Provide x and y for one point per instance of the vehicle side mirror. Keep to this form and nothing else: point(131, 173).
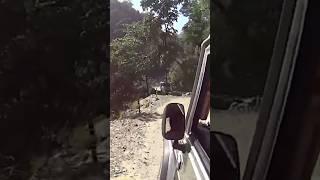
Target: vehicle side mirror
point(224, 151)
point(173, 122)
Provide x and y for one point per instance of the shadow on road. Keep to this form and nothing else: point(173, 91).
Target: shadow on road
point(143, 116)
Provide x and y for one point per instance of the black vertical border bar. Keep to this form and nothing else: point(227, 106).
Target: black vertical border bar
point(297, 147)
point(107, 166)
point(270, 88)
point(211, 86)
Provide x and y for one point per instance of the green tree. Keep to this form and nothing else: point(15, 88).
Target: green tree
point(165, 13)
point(122, 13)
point(133, 57)
point(182, 72)
point(197, 28)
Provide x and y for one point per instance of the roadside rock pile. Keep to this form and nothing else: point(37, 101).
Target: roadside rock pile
point(75, 162)
point(127, 139)
point(70, 165)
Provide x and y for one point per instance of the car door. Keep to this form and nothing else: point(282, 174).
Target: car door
point(195, 163)
point(266, 145)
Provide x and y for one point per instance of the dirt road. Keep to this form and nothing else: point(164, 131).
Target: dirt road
point(136, 140)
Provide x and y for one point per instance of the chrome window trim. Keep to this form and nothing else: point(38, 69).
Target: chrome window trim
point(204, 156)
point(193, 105)
point(204, 44)
point(258, 168)
point(197, 164)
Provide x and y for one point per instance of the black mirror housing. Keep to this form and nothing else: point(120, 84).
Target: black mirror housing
point(173, 122)
point(224, 150)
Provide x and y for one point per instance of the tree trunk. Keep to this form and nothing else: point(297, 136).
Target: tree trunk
point(89, 116)
point(139, 106)
point(166, 76)
point(147, 85)
point(93, 146)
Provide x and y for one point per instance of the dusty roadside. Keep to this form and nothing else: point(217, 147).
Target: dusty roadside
point(75, 162)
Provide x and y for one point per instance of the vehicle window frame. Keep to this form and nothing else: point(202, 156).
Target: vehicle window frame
point(196, 92)
point(276, 90)
point(196, 95)
point(205, 159)
point(205, 47)
point(302, 111)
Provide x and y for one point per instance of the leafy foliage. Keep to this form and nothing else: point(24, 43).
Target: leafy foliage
point(198, 27)
point(244, 36)
point(166, 12)
point(133, 57)
point(53, 69)
point(122, 13)
point(151, 49)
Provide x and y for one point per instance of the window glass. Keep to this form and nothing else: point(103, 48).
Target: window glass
point(201, 126)
point(244, 35)
point(316, 171)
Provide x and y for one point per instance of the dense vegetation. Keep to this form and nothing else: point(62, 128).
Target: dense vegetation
point(151, 49)
point(54, 65)
point(148, 49)
point(53, 72)
point(244, 33)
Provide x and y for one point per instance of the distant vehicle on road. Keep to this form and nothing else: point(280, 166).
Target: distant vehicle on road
point(165, 87)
